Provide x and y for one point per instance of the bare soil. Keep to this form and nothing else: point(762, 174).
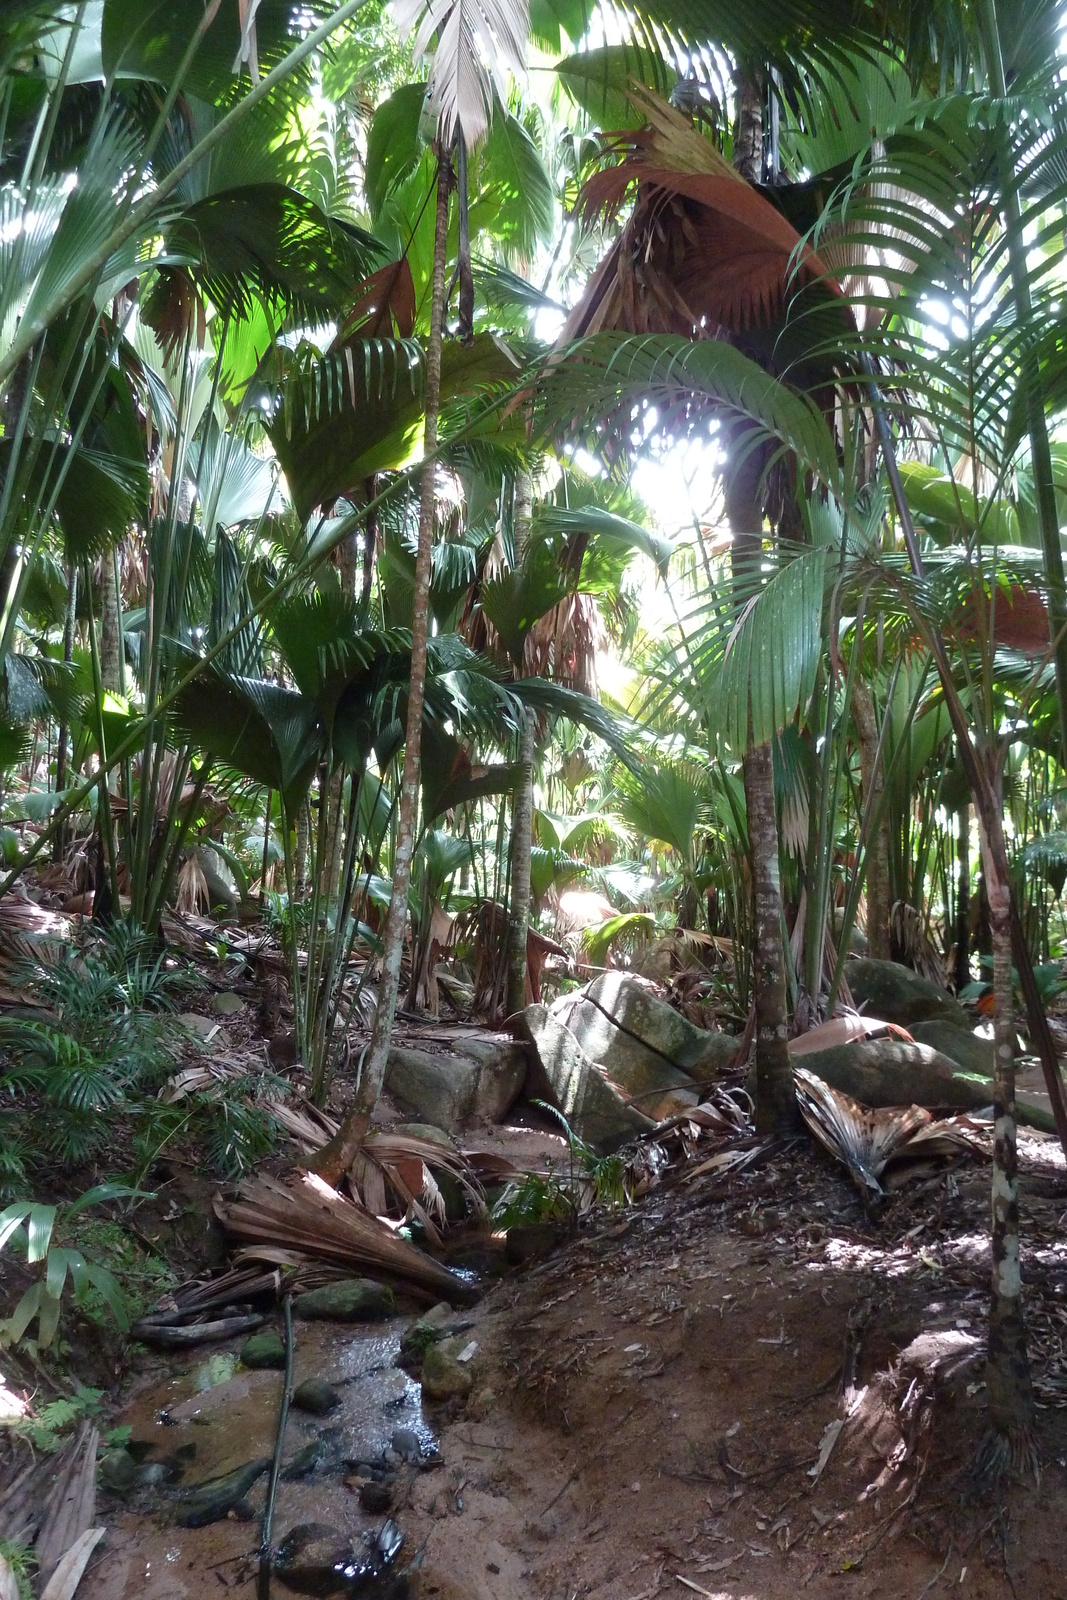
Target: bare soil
point(651, 1401)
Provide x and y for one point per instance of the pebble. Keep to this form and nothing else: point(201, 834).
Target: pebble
point(406, 1443)
point(265, 1349)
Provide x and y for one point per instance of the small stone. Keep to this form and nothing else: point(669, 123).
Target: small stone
point(227, 1004)
point(118, 1471)
point(406, 1443)
point(375, 1498)
point(442, 1376)
point(315, 1395)
point(348, 1300)
point(265, 1349)
point(206, 1029)
point(304, 1462)
point(153, 1474)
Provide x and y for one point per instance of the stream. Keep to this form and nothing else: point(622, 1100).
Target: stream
point(209, 1417)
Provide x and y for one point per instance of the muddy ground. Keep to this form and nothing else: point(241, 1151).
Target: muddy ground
point(650, 1403)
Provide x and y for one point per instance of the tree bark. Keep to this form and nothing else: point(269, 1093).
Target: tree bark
point(1008, 1388)
point(776, 1102)
point(963, 898)
point(110, 625)
point(59, 844)
point(748, 125)
point(872, 785)
point(522, 803)
point(335, 1159)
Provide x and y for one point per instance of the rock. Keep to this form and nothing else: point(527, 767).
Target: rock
point(315, 1395)
point(227, 1004)
point(967, 1049)
point(347, 1300)
point(265, 1349)
point(153, 1474)
point(221, 884)
point(443, 1377)
point(205, 1028)
point(642, 1043)
point(305, 1461)
point(117, 1471)
point(528, 1241)
point(563, 1074)
point(212, 1501)
point(431, 1328)
point(450, 1089)
point(427, 1131)
point(406, 1443)
point(894, 993)
point(891, 1072)
point(316, 1559)
point(376, 1498)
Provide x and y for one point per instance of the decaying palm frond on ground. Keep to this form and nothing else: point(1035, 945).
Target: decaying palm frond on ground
point(308, 1216)
point(866, 1141)
point(393, 1173)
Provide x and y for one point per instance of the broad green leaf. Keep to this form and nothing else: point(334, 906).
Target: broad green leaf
point(24, 1313)
point(394, 144)
point(597, 81)
point(39, 1226)
point(512, 178)
point(769, 667)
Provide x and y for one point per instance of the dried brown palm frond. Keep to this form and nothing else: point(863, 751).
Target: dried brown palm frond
point(912, 944)
point(864, 1140)
point(308, 1216)
point(845, 1029)
point(393, 1173)
point(702, 252)
point(192, 896)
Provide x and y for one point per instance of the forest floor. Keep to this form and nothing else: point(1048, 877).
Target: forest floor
point(651, 1402)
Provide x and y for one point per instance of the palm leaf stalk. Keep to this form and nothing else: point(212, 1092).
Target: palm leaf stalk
point(522, 806)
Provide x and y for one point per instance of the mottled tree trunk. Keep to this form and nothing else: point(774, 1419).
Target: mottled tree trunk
point(872, 785)
point(522, 804)
point(1008, 1388)
point(748, 125)
point(111, 664)
point(963, 898)
point(776, 1104)
point(337, 1156)
point(59, 844)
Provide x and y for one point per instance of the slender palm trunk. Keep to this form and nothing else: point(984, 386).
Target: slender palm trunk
point(776, 1104)
point(872, 785)
point(1008, 1388)
point(337, 1156)
point(522, 804)
point(963, 897)
point(110, 625)
point(59, 844)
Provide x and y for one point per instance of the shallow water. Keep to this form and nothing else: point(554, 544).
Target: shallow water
point(213, 1417)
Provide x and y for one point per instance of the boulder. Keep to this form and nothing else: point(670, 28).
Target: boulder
point(315, 1395)
point(227, 1004)
point(967, 1049)
point(443, 1377)
point(265, 1349)
point(221, 884)
point(347, 1300)
point(642, 1043)
point(204, 1503)
point(564, 1075)
point(117, 1471)
point(449, 1089)
point(897, 994)
point(891, 1072)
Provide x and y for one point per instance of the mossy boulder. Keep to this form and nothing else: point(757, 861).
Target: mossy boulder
point(347, 1300)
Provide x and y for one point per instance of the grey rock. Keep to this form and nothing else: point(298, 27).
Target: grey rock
point(305, 1461)
point(118, 1471)
point(153, 1474)
point(315, 1395)
point(316, 1559)
point(205, 1028)
point(972, 1053)
point(643, 1044)
point(265, 1349)
point(221, 884)
point(208, 1502)
point(227, 1004)
point(449, 1089)
point(894, 993)
point(347, 1300)
point(563, 1074)
point(406, 1443)
point(443, 1377)
point(890, 1072)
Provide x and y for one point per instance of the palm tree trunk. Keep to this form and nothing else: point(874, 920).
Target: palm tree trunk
point(963, 898)
point(59, 844)
point(872, 785)
point(110, 625)
point(332, 1161)
point(1008, 1388)
point(522, 804)
point(776, 1102)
